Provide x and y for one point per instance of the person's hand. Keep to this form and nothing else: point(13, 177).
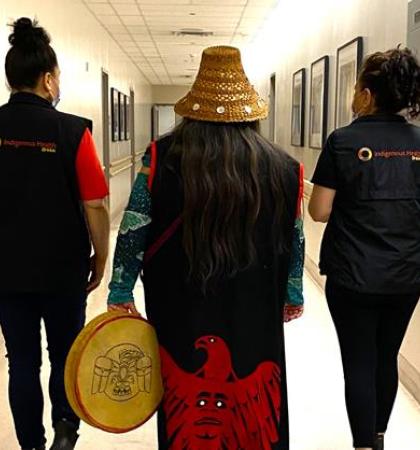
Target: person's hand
point(128, 307)
point(292, 312)
point(97, 270)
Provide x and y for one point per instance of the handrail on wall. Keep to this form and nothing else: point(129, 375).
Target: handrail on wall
point(118, 162)
point(114, 173)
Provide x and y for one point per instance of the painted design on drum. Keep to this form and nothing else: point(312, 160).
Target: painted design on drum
point(123, 373)
point(213, 409)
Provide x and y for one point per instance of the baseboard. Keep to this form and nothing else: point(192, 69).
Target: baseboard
point(312, 268)
point(410, 377)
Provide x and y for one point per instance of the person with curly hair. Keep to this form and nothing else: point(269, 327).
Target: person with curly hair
point(367, 187)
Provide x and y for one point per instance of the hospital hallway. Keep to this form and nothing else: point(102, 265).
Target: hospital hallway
point(317, 413)
point(308, 99)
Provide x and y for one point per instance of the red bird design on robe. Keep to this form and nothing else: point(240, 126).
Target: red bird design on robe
point(213, 409)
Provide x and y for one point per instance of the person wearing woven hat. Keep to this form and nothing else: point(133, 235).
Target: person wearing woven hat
point(214, 225)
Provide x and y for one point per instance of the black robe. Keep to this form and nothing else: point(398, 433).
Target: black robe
point(223, 356)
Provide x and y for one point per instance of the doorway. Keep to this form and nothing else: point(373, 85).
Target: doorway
point(272, 105)
point(105, 124)
point(164, 120)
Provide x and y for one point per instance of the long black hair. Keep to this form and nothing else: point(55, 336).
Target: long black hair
point(30, 55)
point(226, 171)
point(393, 77)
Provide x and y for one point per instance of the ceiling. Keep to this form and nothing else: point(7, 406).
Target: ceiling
point(145, 31)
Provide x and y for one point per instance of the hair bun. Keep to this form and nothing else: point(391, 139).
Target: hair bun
point(27, 34)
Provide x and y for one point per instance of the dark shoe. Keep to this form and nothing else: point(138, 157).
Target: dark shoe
point(65, 436)
point(379, 442)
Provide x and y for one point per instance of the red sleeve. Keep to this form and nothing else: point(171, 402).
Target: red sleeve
point(153, 150)
point(90, 176)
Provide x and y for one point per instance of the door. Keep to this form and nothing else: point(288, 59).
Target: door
point(106, 125)
point(164, 120)
point(132, 128)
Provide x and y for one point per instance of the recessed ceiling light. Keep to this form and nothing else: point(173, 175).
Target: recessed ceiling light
point(196, 32)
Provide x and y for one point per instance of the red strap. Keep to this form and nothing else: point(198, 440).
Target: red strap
point(174, 225)
point(168, 233)
point(153, 149)
point(300, 195)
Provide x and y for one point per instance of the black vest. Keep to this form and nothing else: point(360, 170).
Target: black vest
point(372, 241)
point(44, 241)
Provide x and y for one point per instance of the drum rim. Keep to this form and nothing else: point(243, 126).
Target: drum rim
point(95, 330)
point(73, 361)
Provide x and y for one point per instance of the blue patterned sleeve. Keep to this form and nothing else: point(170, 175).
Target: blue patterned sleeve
point(132, 241)
point(295, 280)
point(294, 304)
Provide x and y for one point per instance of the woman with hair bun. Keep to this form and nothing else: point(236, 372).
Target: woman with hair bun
point(52, 191)
point(367, 187)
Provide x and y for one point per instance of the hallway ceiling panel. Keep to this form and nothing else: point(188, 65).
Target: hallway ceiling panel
point(149, 32)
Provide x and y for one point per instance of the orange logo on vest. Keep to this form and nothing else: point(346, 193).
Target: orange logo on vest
point(365, 154)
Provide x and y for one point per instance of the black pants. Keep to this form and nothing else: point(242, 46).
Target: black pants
point(20, 320)
point(370, 330)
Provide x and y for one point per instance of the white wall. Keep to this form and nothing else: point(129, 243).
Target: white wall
point(301, 31)
point(168, 95)
point(298, 33)
point(410, 354)
point(79, 40)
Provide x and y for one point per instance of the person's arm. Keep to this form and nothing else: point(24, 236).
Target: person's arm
point(93, 189)
point(131, 244)
point(321, 203)
point(98, 222)
point(325, 181)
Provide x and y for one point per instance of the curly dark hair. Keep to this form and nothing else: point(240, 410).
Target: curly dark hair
point(30, 55)
point(393, 77)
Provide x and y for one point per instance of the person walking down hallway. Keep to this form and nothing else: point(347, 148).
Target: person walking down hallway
point(52, 191)
point(214, 223)
point(367, 187)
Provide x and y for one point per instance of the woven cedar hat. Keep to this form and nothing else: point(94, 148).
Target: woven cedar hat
point(222, 91)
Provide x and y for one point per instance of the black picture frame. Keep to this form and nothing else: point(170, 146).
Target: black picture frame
point(115, 124)
point(127, 134)
point(121, 116)
point(349, 61)
point(298, 108)
point(318, 111)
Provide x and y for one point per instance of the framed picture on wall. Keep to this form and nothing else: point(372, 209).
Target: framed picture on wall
point(298, 108)
point(121, 109)
point(115, 130)
point(127, 117)
point(349, 60)
point(318, 119)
